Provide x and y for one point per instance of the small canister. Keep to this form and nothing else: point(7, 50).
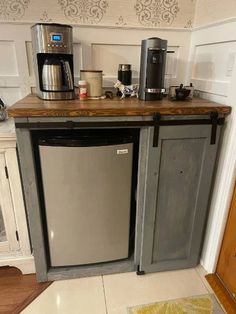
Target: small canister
point(125, 74)
point(94, 82)
point(82, 89)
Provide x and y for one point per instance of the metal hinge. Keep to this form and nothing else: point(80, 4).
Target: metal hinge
point(17, 236)
point(6, 172)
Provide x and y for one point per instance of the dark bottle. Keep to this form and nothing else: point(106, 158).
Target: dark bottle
point(125, 74)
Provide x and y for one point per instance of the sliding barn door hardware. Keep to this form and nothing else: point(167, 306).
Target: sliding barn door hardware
point(156, 122)
point(156, 119)
point(214, 120)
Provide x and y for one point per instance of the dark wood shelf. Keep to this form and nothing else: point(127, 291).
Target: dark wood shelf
point(32, 106)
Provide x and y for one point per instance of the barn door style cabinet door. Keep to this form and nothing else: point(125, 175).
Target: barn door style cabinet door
point(177, 190)
point(14, 239)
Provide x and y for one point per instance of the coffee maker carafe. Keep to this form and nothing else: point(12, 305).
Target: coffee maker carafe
point(53, 60)
point(152, 69)
point(56, 75)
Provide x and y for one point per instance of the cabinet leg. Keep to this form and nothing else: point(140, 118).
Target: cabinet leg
point(139, 272)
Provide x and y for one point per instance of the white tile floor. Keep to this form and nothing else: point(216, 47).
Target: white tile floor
point(112, 294)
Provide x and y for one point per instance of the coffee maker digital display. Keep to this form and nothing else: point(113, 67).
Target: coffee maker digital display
point(56, 37)
point(53, 60)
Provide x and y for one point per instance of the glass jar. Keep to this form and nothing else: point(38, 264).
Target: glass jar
point(94, 82)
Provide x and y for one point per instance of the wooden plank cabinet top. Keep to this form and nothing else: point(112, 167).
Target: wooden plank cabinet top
point(32, 106)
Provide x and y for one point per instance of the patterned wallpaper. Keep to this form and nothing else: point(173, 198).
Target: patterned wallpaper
point(13, 10)
point(122, 13)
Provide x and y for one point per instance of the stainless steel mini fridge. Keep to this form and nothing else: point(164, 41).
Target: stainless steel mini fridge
point(87, 197)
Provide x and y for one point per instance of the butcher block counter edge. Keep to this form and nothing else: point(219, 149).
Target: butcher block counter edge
point(32, 106)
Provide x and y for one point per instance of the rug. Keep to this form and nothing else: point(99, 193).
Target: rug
point(204, 304)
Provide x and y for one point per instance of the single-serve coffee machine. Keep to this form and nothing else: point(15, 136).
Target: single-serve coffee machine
point(53, 60)
point(152, 69)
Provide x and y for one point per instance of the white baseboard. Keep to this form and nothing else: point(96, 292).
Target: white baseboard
point(24, 263)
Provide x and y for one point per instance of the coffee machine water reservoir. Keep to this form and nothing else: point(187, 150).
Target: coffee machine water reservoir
point(53, 60)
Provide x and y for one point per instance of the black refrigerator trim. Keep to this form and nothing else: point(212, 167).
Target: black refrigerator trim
point(39, 184)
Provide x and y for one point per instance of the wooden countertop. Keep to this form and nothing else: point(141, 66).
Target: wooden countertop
point(32, 106)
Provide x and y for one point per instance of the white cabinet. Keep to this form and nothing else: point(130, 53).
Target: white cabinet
point(14, 238)
point(8, 230)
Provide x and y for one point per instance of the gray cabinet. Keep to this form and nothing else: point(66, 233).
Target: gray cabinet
point(177, 190)
point(173, 193)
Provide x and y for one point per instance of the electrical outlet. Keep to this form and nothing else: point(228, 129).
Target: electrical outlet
point(230, 64)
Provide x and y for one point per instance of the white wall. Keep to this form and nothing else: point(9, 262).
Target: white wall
point(212, 68)
point(212, 56)
point(94, 48)
point(213, 11)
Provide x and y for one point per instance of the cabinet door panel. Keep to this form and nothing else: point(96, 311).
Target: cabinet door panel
point(177, 191)
point(179, 174)
point(7, 219)
point(4, 245)
point(3, 237)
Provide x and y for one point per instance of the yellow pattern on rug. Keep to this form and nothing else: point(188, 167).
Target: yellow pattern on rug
point(192, 305)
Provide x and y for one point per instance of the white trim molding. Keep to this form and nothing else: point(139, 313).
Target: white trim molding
point(24, 264)
point(213, 24)
point(123, 27)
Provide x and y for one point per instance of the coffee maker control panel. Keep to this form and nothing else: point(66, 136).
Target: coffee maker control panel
point(56, 41)
point(52, 38)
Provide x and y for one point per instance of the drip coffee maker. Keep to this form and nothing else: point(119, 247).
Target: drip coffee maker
point(53, 60)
